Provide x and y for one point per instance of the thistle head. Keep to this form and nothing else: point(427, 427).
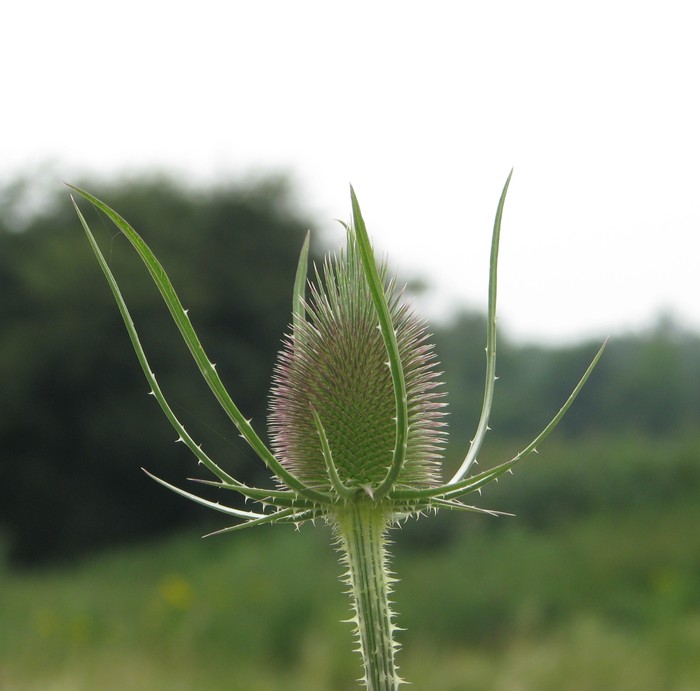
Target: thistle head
point(334, 369)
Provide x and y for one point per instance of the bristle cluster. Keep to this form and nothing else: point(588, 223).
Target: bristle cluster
point(335, 363)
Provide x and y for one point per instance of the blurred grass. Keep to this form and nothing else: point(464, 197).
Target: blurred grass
point(602, 595)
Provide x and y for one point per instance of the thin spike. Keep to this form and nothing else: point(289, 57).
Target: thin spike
point(205, 502)
point(389, 335)
point(298, 299)
point(482, 427)
point(336, 482)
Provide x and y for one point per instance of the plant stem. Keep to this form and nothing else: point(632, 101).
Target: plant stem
point(361, 526)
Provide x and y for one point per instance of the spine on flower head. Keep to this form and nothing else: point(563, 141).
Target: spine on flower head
point(333, 367)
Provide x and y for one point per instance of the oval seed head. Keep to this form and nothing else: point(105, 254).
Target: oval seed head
point(335, 362)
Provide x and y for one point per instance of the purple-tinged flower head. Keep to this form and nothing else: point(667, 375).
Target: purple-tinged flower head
point(334, 362)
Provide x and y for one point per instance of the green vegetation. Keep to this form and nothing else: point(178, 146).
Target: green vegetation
point(595, 585)
point(602, 599)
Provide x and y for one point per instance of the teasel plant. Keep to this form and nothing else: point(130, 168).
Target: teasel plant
point(356, 419)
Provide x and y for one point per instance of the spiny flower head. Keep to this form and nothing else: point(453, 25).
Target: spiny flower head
point(334, 363)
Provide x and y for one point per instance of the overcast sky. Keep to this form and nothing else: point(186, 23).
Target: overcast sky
point(424, 107)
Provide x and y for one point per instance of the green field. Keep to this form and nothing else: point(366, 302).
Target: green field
point(603, 596)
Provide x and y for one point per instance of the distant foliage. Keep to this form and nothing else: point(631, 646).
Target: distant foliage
point(646, 383)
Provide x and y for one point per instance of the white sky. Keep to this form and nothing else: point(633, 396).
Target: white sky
point(424, 107)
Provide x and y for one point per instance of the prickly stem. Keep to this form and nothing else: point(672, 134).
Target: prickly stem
point(362, 539)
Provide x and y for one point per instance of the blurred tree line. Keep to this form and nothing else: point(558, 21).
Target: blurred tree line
point(646, 383)
point(76, 423)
